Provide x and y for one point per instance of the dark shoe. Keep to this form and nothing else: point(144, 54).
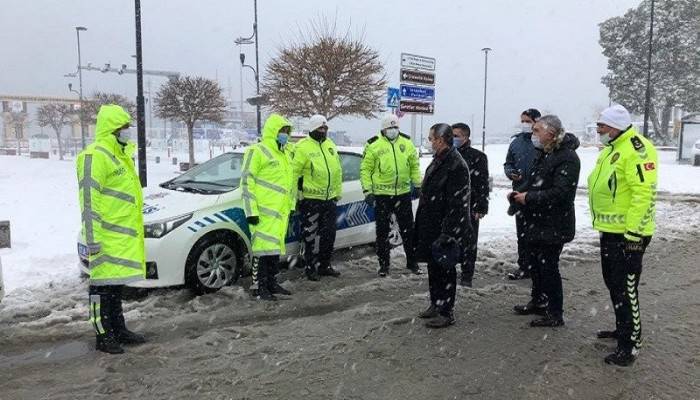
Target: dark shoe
point(263, 293)
point(415, 270)
point(441, 321)
point(531, 308)
point(108, 344)
point(518, 275)
point(621, 357)
point(607, 335)
point(312, 275)
point(430, 312)
point(328, 271)
point(275, 288)
point(128, 337)
point(547, 322)
point(383, 272)
point(464, 281)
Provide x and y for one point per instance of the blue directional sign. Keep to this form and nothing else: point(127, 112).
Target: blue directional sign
point(393, 96)
point(417, 93)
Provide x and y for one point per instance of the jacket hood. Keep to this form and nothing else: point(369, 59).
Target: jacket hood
point(570, 142)
point(110, 118)
point(273, 124)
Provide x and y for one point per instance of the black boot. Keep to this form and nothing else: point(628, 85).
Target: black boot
point(383, 271)
point(262, 290)
point(441, 321)
point(607, 335)
point(549, 321)
point(312, 274)
point(263, 293)
point(328, 271)
point(430, 312)
point(415, 269)
point(623, 356)
point(108, 344)
point(276, 288)
point(531, 307)
point(466, 281)
point(121, 333)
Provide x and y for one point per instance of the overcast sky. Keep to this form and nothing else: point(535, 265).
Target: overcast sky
point(545, 52)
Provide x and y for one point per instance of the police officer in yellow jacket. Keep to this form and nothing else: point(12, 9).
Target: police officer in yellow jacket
point(112, 225)
point(622, 192)
point(316, 162)
point(269, 191)
point(389, 173)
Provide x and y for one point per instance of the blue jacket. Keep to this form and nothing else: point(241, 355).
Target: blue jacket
point(521, 154)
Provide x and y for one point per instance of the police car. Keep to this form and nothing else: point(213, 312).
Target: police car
point(196, 230)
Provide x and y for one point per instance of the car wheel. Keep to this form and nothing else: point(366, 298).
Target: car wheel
point(394, 233)
point(212, 263)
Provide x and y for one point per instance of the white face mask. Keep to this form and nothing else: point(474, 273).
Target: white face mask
point(537, 143)
point(604, 138)
point(525, 127)
point(124, 136)
point(391, 133)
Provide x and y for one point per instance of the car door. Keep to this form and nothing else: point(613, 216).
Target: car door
point(355, 218)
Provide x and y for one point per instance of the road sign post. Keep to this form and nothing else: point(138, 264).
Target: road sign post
point(417, 89)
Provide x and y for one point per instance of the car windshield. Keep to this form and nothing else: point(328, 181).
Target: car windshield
point(220, 174)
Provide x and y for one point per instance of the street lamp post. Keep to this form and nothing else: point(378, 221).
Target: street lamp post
point(256, 70)
point(240, 42)
point(78, 29)
point(140, 106)
point(647, 100)
point(486, 68)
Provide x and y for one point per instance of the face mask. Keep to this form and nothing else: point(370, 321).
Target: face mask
point(123, 136)
point(318, 135)
point(458, 142)
point(604, 138)
point(537, 143)
point(525, 127)
point(391, 133)
point(282, 138)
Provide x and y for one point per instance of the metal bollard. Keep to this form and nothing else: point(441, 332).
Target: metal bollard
point(174, 160)
point(157, 159)
point(5, 239)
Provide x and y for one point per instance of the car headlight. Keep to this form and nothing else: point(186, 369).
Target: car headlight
point(158, 229)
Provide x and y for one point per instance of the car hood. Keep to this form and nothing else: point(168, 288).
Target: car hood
point(159, 203)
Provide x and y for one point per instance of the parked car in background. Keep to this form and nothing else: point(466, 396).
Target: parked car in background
point(196, 230)
point(696, 153)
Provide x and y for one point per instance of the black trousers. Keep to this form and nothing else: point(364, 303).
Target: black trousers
point(106, 313)
point(402, 207)
point(523, 253)
point(318, 224)
point(621, 273)
point(469, 254)
point(546, 279)
point(265, 269)
point(443, 287)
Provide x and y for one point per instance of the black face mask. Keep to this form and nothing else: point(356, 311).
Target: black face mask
point(319, 136)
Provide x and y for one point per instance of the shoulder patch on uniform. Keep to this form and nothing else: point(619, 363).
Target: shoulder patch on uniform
point(637, 143)
point(372, 139)
point(614, 158)
point(402, 147)
point(405, 135)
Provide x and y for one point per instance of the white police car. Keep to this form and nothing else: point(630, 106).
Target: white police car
point(196, 231)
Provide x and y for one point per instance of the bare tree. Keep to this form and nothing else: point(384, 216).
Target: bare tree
point(98, 99)
point(191, 99)
point(56, 116)
point(326, 73)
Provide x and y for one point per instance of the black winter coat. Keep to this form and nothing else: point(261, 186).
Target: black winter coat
point(444, 204)
point(521, 154)
point(549, 213)
point(478, 165)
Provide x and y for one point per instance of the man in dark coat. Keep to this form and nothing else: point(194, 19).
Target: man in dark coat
point(547, 206)
point(521, 154)
point(442, 224)
point(479, 176)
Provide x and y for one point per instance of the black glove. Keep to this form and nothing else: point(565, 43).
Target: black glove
point(253, 220)
point(417, 193)
point(369, 199)
point(445, 240)
point(632, 247)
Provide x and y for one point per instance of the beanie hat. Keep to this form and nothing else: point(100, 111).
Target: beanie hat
point(316, 122)
point(616, 117)
point(390, 121)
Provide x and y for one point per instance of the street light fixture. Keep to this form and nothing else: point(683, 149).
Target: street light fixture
point(249, 40)
point(79, 29)
point(240, 42)
point(486, 67)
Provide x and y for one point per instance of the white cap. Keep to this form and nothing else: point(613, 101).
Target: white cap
point(316, 122)
point(616, 117)
point(390, 121)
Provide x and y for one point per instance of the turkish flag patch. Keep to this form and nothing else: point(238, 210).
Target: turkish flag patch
point(650, 166)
